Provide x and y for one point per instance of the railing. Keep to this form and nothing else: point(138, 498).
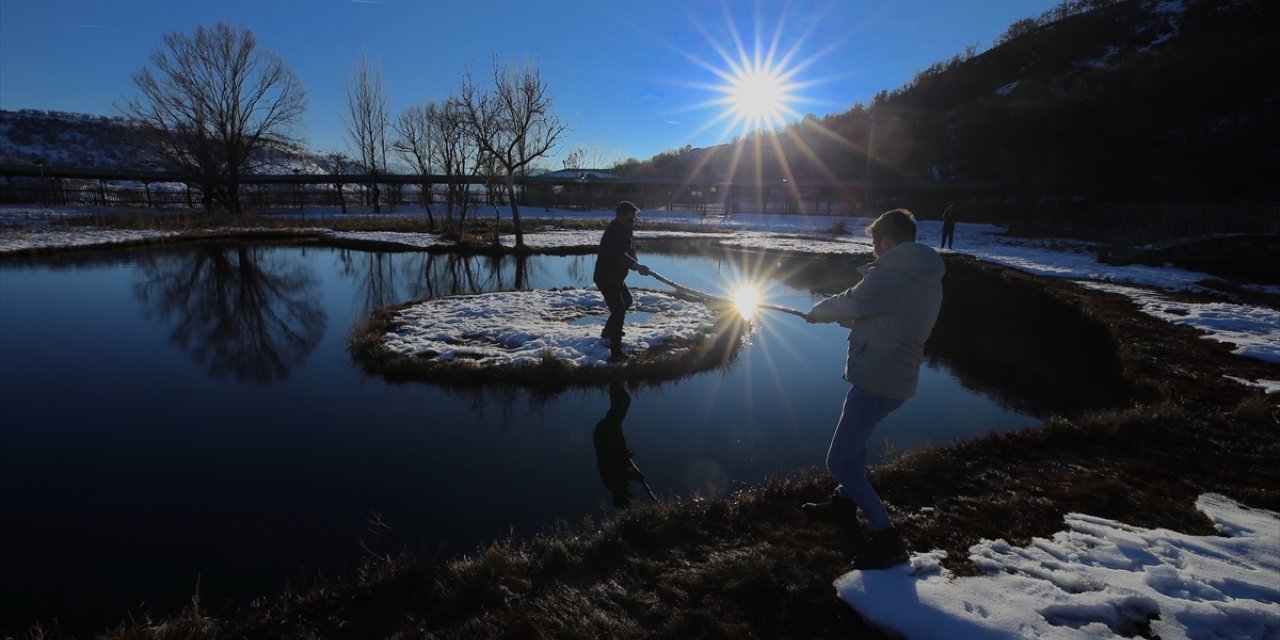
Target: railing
point(1145, 232)
point(62, 186)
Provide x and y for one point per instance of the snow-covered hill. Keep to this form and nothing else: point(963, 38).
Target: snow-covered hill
point(82, 141)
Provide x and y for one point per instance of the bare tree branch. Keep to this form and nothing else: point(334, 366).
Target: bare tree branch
point(513, 123)
point(209, 102)
point(367, 119)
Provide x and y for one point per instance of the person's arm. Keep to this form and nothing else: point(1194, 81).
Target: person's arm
point(634, 261)
point(872, 296)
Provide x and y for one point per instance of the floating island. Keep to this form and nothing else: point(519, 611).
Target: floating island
point(547, 338)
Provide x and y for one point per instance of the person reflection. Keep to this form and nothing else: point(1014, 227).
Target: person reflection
point(613, 458)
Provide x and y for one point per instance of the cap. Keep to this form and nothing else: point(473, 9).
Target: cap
point(626, 206)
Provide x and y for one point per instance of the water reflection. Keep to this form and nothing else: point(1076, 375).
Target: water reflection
point(1023, 347)
point(385, 279)
point(452, 274)
point(1003, 337)
point(615, 461)
point(240, 311)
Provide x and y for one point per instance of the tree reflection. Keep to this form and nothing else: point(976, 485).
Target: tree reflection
point(383, 279)
point(387, 279)
point(241, 311)
point(455, 274)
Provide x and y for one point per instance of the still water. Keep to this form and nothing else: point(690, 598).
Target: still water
point(189, 418)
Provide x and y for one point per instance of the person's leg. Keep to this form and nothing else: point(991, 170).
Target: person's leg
point(847, 457)
point(617, 299)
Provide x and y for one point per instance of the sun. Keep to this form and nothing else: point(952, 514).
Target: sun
point(746, 299)
point(757, 82)
point(759, 97)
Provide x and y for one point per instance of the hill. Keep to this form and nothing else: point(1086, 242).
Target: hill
point(83, 141)
point(1096, 99)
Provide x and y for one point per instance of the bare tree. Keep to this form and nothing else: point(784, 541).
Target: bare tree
point(367, 119)
point(513, 122)
point(210, 102)
point(414, 143)
point(593, 157)
point(455, 153)
point(339, 166)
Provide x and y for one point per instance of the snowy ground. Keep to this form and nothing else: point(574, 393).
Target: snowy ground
point(563, 323)
point(1098, 578)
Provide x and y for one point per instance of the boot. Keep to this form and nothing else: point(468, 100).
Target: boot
point(616, 354)
point(836, 506)
point(884, 549)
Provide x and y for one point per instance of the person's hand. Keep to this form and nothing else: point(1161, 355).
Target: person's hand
point(644, 271)
point(808, 317)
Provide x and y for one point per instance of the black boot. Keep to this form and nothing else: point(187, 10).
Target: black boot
point(884, 549)
point(616, 354)
point(835, 507)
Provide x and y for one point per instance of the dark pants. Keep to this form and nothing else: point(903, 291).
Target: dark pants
point(618, 298)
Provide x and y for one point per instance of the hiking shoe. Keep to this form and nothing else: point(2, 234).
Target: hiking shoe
point(884, 549)
point(835, 507)
point(619, 356)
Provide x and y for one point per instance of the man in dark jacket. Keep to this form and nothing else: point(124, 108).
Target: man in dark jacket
point(615, 258)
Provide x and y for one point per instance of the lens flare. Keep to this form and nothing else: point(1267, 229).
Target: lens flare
point(758, 97)
point(746, 299)
point(759, 76)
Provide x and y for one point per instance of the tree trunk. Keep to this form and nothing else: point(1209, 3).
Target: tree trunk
point(515, 210)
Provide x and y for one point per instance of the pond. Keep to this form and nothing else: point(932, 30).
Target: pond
point(188, 417)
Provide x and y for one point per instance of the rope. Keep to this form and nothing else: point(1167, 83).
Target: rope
point(696, 293)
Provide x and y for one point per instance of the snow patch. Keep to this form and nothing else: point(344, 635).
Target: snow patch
point(523, 327)
point(1254, 330)
point(1099, 578)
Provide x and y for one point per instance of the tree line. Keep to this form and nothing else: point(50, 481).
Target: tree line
point(212, 101)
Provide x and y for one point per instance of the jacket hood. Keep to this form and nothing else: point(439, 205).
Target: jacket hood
point(915, 260)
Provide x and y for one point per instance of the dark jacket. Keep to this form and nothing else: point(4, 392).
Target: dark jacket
point(616, 255)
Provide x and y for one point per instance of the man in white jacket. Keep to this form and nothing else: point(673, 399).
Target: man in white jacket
point(890, 315)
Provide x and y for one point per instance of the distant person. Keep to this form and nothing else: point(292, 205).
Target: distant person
point(949, 227)
point(891, 313)
point(613, 458)
point(615, 258)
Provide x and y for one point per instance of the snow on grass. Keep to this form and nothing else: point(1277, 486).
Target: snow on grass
point(398, 238)
point(590, 238)
point(1099, 578)
point(20, 241)
point(521, 327)
point(1268, 386)
point(1255, 331)
point(811, 245)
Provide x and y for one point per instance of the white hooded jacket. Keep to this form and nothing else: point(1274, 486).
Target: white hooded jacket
point(892, 310)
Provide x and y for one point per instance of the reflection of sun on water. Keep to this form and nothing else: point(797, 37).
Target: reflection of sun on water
point(746, 299)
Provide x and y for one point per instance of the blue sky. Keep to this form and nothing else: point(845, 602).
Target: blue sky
point(631, 78)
